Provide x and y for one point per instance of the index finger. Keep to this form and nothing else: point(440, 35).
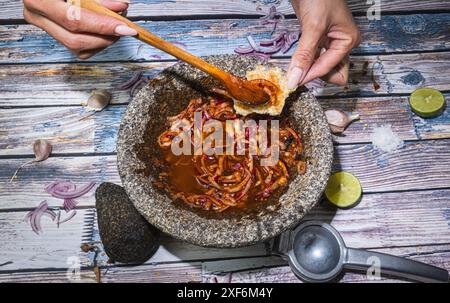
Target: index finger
point(83, 20)
point(326, 62)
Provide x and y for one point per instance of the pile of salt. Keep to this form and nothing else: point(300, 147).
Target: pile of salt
point(384, 139)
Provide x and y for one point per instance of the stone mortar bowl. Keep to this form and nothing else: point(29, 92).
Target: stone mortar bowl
point(167, 95)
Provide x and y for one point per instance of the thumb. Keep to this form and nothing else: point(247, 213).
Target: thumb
point(303, 57)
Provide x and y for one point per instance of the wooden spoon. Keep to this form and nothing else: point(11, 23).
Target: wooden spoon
point(250, 92)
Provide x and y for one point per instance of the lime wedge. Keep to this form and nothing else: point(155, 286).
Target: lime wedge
point(427, 102)
point(343, 189)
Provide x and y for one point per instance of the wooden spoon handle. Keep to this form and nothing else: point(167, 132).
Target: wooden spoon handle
point(155, 41)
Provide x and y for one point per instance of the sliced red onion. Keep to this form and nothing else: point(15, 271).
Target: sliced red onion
point(314, 84)
point(273, 17)
point(50, 213)
point(69, 204)
point(242, 50)
point(35, 216)
point(129, 83)
point(156, 56)
point(58, 218)
point(63, 186)
point(69, 216)
point(252, 43)
point(68, 190)
point(237, 166)
point(179, 43)
point(219, 101)
point(137, 85)
point(207, 115)
point(282, 42)
point(291, 39)
point(272, 50)
point(272, 41)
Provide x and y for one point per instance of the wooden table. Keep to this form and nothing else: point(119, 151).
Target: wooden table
point(406, 205)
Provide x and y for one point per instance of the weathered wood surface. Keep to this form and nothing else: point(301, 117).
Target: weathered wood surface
point(69, 132)
point(253, 270)
point(405, 209)
point(264, 272)
point(418, 165)
point(197, 8)
point(28, 44)
point(23, 249)
point(70, 84)
point(380, 220)
point(159, 273)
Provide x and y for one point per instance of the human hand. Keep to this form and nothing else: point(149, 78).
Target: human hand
point(328, 36)
point(84, 36)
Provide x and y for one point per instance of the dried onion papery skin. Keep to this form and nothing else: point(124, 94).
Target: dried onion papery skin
point(228, 181)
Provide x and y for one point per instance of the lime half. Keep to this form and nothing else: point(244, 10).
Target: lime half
point(427, 102)
point(343, 189)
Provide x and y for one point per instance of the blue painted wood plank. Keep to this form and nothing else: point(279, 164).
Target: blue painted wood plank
point(404, 33)
point(23, 85)
point(434, 128)
point(69, 133)
point(12, 9)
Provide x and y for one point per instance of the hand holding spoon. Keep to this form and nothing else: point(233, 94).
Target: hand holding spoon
point(249, 92)
point(317, 253)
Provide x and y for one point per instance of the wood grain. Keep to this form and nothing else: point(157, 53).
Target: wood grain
point(71, 132)
point(155, 273)
point(183, 8)
point(418, 165)
point(29, 44)
point(253, 270)
point(437, 255)
point(71, 84)
point(405, 209)
point(23, 249)
point(70, 129)
point(379, 220)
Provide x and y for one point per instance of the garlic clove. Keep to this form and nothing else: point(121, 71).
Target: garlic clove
point(42, 150)
point(338, 120)
point(98, 100)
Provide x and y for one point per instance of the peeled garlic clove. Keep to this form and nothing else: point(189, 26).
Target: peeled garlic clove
point(42, 150)
point(99, 100)
point(339, 120)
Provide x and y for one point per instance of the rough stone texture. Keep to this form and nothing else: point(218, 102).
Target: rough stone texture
point(168, 94)
point(126, 236)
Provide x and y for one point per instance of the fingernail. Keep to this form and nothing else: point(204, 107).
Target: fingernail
point(124, 1)
point(294, 76)
point(123, 30)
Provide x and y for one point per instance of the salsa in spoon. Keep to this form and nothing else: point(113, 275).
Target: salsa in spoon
point(249, 92)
